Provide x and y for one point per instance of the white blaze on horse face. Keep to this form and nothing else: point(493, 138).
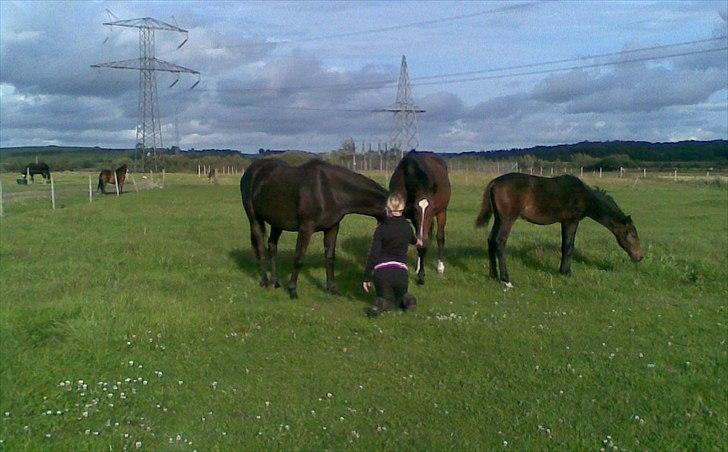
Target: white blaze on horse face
point(440, 267)
point(423, 204)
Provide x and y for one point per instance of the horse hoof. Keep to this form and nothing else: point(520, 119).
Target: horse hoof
point(507, 285)
point(420, 281)
point(276, 284)
point(332, 289)
point(292, 293)
point(440, 267)
point(264, 283)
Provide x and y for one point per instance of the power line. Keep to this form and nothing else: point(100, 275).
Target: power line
point(384, 29)
point(583, 66)
point(384, 83)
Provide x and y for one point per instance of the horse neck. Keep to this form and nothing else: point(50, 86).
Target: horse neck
point(603, 213)
point(366, 198)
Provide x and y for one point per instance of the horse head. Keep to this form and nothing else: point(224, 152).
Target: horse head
point(626, 234)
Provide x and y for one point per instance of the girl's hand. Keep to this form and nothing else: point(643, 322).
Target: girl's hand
point(366, 285)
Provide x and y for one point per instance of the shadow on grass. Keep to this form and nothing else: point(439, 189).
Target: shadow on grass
point(345, 272)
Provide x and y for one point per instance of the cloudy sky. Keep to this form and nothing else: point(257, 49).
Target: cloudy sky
point(306, 75)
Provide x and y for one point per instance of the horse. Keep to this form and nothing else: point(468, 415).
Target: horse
point(106, 176)
point(542, 200)
point(32, 169)
point(422, 180)
point(212, 175)
point(309, 198)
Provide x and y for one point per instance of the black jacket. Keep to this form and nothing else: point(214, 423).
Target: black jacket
point(389, 243)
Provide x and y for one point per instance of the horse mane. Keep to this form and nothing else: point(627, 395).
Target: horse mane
point(410, 165)
point(606, 201)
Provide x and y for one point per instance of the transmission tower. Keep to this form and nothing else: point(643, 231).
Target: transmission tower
point(405, 134)
point(149, 128)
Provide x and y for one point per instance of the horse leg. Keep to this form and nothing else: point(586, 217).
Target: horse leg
point(330, 254)
point(275, 234)
point(257, 237)
point(304, 236)
point(568, 233)
point(501, 239)
point(441, 220)
point(421, 253)
point(493, 247)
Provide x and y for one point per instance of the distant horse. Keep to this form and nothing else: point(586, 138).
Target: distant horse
point(422, 180)
point(32, 169)
point(212, 175)
point(107, 177)
point(308, 198)
point(542, 200)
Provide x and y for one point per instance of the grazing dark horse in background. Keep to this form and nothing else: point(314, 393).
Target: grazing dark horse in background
point(212, 175)
point(421, 178)
point(32, 169)
point(107, 177)
point(542, 200)
point(308, 198)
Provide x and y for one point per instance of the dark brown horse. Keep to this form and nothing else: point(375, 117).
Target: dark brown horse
point(212, 175)
point(422, 180)
point(107, 177)
point(308, 198)
point(542, 200)
point(32, 169)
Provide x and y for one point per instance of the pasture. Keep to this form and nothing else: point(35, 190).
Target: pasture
point(137, 323)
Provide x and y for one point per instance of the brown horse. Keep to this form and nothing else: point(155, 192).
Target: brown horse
point(422, 180)
point(212, 175)
point(542, 200)
point(107, 177)
point(308, 198)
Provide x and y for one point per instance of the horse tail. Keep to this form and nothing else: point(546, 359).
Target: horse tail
point(101, 184)
point(486, 208)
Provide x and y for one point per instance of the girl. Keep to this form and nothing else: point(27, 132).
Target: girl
point(386, 262)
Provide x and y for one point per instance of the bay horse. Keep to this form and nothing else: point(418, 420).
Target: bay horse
point(32, 169)
point(543, 200)
point(309, 198)
point(421, 178)
point(106, 176)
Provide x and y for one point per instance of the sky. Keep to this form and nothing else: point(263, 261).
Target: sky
point(308, 75)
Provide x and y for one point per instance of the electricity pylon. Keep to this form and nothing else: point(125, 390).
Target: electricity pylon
point(149, 128)
point(405, 134)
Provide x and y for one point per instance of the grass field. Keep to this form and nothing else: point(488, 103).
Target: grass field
point(138, 322)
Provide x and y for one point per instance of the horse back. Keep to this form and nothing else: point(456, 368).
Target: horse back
point(540, 200)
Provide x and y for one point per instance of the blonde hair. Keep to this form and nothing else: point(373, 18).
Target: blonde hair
point(395, 203)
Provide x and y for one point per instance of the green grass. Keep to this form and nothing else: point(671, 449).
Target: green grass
point(155, 295)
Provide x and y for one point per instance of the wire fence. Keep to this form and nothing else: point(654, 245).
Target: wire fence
point(67, 188)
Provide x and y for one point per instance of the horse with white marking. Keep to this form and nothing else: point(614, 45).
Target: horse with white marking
point(422, 180)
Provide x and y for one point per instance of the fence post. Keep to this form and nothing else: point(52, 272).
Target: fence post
point(53, 194)
point(1, 198)
point(600, 172)
point(163, 174)
point(675, 177)
point(90, 193)
point(116, 183)
point(581, 171)
point(621, 171)
point(27, 175)
point(198, 170)
point(133, 181)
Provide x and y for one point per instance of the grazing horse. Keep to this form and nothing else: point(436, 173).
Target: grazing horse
point(308, 198)
point(107, 177)
point(32, 169)
point(421, 178)
point(542, 200)
point(212, 175)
